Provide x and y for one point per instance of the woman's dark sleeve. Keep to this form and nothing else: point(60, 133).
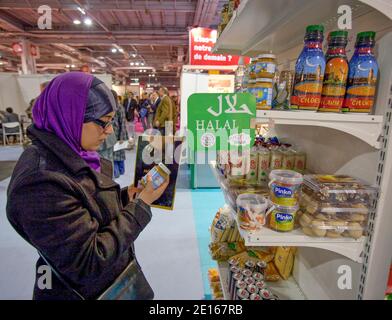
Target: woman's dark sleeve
point(68, 235)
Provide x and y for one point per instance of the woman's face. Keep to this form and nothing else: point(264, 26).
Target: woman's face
point(93, 134)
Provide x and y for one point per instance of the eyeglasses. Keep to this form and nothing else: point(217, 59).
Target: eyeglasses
point(103, 124)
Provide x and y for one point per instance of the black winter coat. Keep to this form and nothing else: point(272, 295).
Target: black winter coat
point(78, 218)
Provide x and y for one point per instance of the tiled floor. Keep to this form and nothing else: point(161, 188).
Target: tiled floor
point(172, 250)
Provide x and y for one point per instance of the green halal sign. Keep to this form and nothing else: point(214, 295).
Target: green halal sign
point(220, 121)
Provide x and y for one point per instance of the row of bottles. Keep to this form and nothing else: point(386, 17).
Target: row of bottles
point(328, 83)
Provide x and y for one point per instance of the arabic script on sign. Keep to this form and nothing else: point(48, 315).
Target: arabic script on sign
point(244, 109)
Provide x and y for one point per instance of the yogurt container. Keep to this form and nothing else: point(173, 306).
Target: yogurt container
point(282, 219)
point(251, 210)
point(285, 187)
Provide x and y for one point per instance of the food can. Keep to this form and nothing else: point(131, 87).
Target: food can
point(242, 294)
point(265, 293)
point(260, 285)
point(258, 276)
point(276, 160)
point(234, 262)
point(240, 285)
point(261, 266)
point(232, 271)
point(263, 166)
point(251, 175)
point(300, 162)
point(250, 265)
point(232, 288)
point(246, 273)
point(249, 280)
point(252, 288)
point(255, 296)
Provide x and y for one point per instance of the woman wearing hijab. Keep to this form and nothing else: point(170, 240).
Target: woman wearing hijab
point(62, 199)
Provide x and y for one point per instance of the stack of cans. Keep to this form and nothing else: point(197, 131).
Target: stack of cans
point(248, 283)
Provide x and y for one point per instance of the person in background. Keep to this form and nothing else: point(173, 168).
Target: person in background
point(29, 110)
point(155, 100)
point(143, 111)
point(166, 112)
point(61, 198)
point(120, 131)
point(11, 116)
point(130, 107)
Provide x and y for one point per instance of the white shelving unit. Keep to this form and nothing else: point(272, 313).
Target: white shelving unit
point(347, 247)
point(279, 25)
point(284, 289)
point(368, 128)
point(358, 145)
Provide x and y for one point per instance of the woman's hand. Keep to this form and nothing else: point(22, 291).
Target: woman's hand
point(132, 192)
point(149, 195)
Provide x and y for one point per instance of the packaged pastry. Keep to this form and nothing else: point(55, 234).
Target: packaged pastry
point(338, 189)
point(284, 261)
point(285, 187)
point(271, 273)
point(331, 227)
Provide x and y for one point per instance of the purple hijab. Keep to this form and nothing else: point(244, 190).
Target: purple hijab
point(60, 110)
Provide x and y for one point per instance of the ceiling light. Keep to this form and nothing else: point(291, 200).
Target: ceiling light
point(137, 63)
point(121, 50)
point(88, 22)
point(132, 63)
point(101, 57)
point(144, 70)
point(142, 64)
point(114, 50)
point(67, 66)
point(77, 21)
point(153, 75)
point(140, 70)
point(81, 10)
point(73, 66)
point(1, 63)
point(134, 55)
point(92, 70)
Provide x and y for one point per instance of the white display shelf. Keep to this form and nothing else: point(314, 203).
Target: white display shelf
point(284, 289)
point(368, 128)
point(347, 247)
point(279, 25)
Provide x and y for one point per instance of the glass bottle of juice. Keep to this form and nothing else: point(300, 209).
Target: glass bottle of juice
point(362, 78)
point(309, 71)
point(336, 73)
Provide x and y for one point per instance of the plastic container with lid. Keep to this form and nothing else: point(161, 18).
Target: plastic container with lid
point(338, 189)
point(266, 66)
point(252, 69)
point(331, 227)
point(251, 209)
point(282, 219)
point(263, 93)
point(285, 187)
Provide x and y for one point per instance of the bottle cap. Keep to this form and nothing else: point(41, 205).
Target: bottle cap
point(315, 28)
point(339, 34)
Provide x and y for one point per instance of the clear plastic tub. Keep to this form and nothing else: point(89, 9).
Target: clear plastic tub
point(338, 189)
point(330, 227)
point(251, 209)
point(285, 187)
